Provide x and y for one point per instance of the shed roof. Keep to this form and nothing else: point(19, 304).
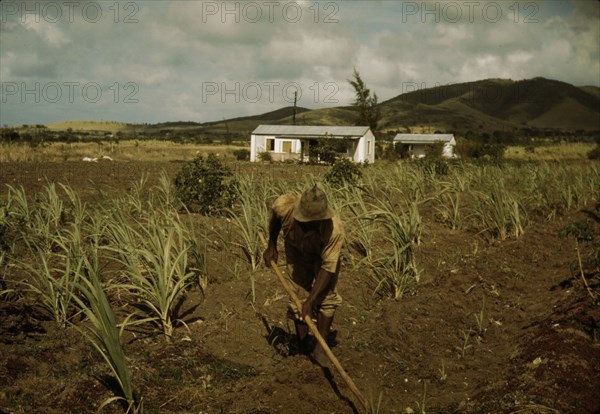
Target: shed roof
point(424, 138)
point(311, 131)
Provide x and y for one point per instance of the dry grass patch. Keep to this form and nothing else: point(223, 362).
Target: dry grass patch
point(151, 150)
point(563, 151)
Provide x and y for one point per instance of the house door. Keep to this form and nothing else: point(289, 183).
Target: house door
point(286, 146)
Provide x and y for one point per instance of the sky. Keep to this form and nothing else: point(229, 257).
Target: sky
point(202, 61)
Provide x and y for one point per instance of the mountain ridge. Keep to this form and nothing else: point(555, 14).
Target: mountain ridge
point(470, 107)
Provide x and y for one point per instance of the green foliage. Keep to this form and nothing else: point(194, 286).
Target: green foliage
point(103, 333)
point(500, 211)
point(436, 167)
point(154, 253)
point(391, 152)
point(52, 278)
point(395, 273)
point(250, 217)
point(205, 185)
point(328, 150)
point(581, 230)
point(343, 172)
point(265, 156)
point(589, 264)
point(242, 154)
point(10, 227)
point(594, 154)
point(9, 135)
point(434, 151)
point(478, 150)
point(366, 103)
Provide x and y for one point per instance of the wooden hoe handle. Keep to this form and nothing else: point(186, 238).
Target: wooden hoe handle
point(320, 339)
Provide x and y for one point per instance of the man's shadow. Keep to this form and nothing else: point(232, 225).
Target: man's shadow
point(286, 344)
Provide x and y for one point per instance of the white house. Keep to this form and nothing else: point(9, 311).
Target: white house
point(417, 143)
point(293, 142)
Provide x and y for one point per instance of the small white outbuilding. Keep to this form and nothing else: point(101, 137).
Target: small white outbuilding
point(294, 142)
point(417, 143)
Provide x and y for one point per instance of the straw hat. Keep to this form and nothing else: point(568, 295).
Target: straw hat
point(312, 206)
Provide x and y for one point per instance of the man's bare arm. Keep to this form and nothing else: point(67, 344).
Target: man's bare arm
point(271, 250)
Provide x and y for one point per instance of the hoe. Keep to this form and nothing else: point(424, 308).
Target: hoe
point(320, 339)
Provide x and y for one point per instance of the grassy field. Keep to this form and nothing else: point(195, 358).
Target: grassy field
point(564, 151)
point(151, 150)
point(154, 150)
point(98, 126)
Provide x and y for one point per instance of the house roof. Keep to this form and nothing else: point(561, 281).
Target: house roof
point(424, 138)
point(311, 131)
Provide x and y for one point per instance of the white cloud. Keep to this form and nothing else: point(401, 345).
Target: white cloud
point(452, 35)
point(519, 57)
point(47, 31)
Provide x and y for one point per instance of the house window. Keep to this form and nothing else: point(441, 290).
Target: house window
point(286, 146)
point(270, 144)
point(368, 147)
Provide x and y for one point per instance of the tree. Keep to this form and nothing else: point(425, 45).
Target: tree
point(366, 103)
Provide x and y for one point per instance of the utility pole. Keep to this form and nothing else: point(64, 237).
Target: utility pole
point(294, 113)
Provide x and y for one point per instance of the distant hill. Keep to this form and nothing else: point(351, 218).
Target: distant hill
point(485, 105)
point(592, 90)
point(481, 106)
point(496, 104)
point(247, 124)
point(281, 113)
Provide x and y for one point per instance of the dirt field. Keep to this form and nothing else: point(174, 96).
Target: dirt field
point(502, 327)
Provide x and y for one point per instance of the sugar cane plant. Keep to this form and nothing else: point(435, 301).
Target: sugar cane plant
point(362, 226)
point(51, 207)
point(103, 332)
point(17, 206)
point(19, 212)
point(450, 198)
point(396, 273)
point(500, 212)
point(249, 216)
point(53, 275)
point(154, 254)
point(449, 208)
point(76, 210)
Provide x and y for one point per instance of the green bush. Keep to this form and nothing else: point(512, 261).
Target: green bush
point(326, 151)
point(205, 185)
point(265, 156)
point(594, 154)
point(434, 151)
point(343, 172)
point(477, 150)
point(391, 152)
point(242, 154)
